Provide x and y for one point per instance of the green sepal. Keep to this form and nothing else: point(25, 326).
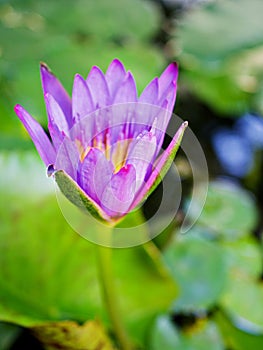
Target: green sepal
point(78, 197)
point(167, 158)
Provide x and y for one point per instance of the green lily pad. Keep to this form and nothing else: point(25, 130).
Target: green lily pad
point(194, 262)
point(242, 298)
point(165, 335)
point(219, 89)
point(229, 211)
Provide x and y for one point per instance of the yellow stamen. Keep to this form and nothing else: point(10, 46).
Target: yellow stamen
point(82, 151)
point(116, 153)
point(119, 154)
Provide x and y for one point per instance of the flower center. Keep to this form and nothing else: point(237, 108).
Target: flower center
point(116, 153)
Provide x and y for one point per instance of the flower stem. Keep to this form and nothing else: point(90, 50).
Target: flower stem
point(110, 296)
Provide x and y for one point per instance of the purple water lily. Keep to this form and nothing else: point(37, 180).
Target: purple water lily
point(106, 140)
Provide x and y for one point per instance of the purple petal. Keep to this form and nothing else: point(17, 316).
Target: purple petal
point(115, 76)
point(94, 173)
point(161, 122)
point(168, 76)
point(141, 155)
point(98, 87)
point(82, 103)
point(55, 114)
point(56, 135)
point(149, 116)
point(57, 124)
point(142, 116)
point(119, 194)
point(68, 157)
point(127, 90)
point(150, 93)
point(161, 167)
point(169, 95)
point(83, 132)
point(38, 135)
point(52, 86)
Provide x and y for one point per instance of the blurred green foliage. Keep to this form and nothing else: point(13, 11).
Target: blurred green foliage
point(70, 37)
point(48, 273)
point(220, 47)
point(211, 296)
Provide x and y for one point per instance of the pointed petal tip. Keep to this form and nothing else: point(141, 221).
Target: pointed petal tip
point(117, 61)
point(173, 69)
point(43, 65)
point(177, 139)
point(169, 75)
point(17, 108)
point(78, 76)
point(174, 66)
point(180, 133)
point(183, 127)
point(128, 75)
point(79, 81)
point(37, 134)
point(127, 90)
point(130, 78)
point(44, 68)
point(20, 112)
point(150, 92)
point(95, 70)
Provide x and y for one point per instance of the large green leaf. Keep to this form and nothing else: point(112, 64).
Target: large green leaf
point(104, 20)
point(48, 272)
point(236, 25)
